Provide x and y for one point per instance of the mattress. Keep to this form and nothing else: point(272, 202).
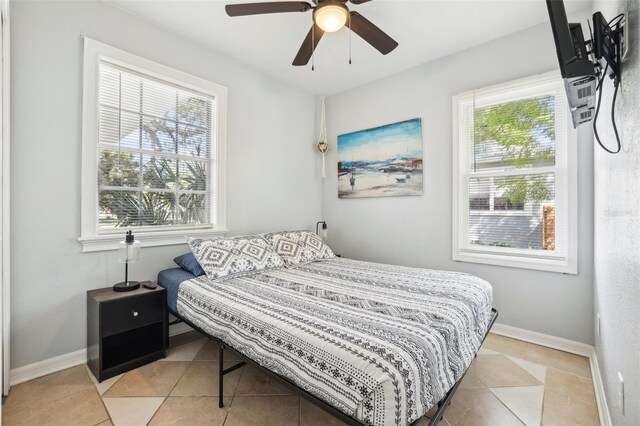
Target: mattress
point(171, 280)
point(381, 343)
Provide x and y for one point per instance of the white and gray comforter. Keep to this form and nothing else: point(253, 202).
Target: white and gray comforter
point(381, 343)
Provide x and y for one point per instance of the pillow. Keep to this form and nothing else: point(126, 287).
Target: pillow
point(299, 247)
point(230, 257)
point(189, 263)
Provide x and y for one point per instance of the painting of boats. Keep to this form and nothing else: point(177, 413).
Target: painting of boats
point(384, 161)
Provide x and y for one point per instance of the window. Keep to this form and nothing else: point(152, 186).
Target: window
point(153, 151)
point(514, 173)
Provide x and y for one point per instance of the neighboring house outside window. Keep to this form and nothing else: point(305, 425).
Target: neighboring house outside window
point(153, 151)
point(515, 176)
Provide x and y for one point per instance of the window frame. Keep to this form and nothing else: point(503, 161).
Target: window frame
point(93, 239)
point(565, 170)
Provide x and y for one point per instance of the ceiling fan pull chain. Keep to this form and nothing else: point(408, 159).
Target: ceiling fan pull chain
point(313, 46)
point(350, 39)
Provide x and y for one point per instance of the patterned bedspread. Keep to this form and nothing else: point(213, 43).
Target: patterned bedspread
point(381, 343)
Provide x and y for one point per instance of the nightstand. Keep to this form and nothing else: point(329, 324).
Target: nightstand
point(125, 330)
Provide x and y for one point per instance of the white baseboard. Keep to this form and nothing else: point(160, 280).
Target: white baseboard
point(564, 345)
point(598, 386)
point(62, 362)
point(541, 339)
point(48, 366)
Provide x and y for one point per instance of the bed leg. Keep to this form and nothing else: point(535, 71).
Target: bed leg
point(220, 375)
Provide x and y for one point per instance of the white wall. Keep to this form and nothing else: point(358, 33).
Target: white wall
point(617, 230)
point(272, 173)
point(416, 231)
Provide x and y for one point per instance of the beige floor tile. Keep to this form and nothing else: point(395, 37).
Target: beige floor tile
point(471, 381)
point(564, 361)
point(210, 352)
point(195, 334)
point(548, 357)
point(479, 407)
point(200, 411)
point(516, 380)
point(263, 411)
point(536, 370)
point(254, 382)
point(525, 402)
point(132, 411)
point(498, 370)
point(45, 389)
point(155, 379)
point(185, 352)
point(505, 345)
point(81, 408)
point(182, 338)
point(424, 421)
point(105, 423)
point(561, 410)
point(103, 386)
point(312, 415)
point(571, 385)
point(201, 379)
point(485, 351)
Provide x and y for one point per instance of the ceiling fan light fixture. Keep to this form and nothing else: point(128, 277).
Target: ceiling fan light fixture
point(331, 16)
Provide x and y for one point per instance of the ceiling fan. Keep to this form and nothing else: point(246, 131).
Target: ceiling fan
point(328, 16)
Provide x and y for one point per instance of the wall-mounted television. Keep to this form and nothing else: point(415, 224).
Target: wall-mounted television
point(585, 64)
point(577, 69)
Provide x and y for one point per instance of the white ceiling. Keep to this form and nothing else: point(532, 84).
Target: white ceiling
point(425, 30)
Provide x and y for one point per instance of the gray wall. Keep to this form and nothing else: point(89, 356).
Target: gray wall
point(272, 171)
point(416, 231)
point(617, 230)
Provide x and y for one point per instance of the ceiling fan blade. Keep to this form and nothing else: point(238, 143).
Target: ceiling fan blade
point(262, 8)
point(359, 1)
point(372, 34)
point(306, 50)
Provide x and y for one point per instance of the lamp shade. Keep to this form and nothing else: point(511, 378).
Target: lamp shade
point(129, 252)
point(323, 233)
point(129, 249)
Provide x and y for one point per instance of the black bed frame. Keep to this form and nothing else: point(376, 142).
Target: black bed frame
point(437, 416)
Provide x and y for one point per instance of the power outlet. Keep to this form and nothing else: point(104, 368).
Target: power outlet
point(597, 325)
point(621, 392)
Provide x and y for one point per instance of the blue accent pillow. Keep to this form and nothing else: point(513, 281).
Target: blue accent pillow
point(189, 263)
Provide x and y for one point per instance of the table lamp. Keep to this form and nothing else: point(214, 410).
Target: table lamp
point(129, 251)
point(324, 229)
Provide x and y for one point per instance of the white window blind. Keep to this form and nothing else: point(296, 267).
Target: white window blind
point(155, 141)
point(153, 151)
point(513, 172)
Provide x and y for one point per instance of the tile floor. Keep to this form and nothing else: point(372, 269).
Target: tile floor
point(509, 383)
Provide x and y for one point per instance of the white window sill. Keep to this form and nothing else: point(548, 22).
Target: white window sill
point(147, 239)
point(550, 264)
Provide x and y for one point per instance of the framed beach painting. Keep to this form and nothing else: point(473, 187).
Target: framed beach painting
point(385, 161)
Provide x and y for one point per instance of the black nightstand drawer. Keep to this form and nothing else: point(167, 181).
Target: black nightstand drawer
point(129, 313)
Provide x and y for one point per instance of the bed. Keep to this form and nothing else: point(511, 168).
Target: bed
point(370, 343)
